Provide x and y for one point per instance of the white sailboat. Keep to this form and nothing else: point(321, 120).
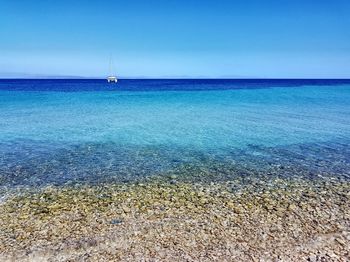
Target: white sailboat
point(111, 78)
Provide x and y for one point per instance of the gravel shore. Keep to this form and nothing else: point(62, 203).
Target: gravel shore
point(275, 220)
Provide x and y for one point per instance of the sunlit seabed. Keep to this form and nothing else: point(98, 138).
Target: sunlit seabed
point(108, 162)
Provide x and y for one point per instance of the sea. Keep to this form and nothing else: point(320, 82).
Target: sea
point(85, 131)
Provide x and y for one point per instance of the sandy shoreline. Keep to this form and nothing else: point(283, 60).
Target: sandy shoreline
point(284, 220)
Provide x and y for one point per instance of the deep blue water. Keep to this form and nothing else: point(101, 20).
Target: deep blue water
point(78, 85)
point(88, 131)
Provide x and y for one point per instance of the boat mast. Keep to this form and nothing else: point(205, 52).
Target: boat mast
point(111, 77)
point(110, 65)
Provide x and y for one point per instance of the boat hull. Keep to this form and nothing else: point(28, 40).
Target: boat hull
point(112, 79)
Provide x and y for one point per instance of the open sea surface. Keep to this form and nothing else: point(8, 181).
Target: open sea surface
point(87, 131)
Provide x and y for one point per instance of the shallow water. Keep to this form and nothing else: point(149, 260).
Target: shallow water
point(84, 131)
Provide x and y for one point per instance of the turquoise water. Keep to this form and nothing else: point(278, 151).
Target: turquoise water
point(92, 131)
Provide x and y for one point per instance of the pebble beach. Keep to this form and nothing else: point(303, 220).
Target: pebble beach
point(282, 220)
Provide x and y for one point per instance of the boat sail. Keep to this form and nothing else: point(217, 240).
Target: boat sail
point(111, 78)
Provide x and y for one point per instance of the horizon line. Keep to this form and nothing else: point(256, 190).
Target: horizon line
point(170, 78)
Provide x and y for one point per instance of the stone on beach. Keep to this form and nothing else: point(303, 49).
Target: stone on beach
point(161, 220)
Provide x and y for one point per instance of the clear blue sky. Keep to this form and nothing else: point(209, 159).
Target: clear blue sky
point(168, 38)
